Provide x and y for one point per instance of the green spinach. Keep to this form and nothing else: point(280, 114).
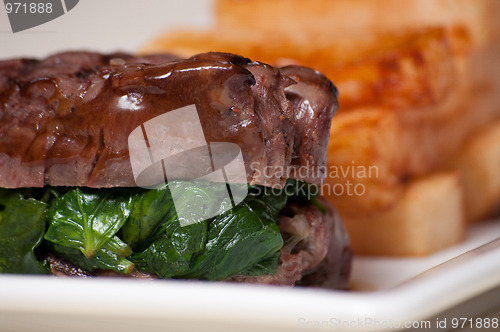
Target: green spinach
point(87, 220)
point(125, 228)
point(22, 225)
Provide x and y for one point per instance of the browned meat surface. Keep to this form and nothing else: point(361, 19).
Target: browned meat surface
point(316, 253)
point(65, 120)
point(312, 99)
point(335, 269)
point(62, 268)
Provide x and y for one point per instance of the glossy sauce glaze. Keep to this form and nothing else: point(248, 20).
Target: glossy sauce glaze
point(65, 120)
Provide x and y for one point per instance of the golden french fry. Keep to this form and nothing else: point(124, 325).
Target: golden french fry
point(479, 167)
point(429, 217)
point(365, 162)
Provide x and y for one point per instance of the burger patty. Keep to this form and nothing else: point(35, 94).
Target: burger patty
point(316, 252)
point(65, 120)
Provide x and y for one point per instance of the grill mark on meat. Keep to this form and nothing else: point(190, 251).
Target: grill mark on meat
point(98, 152)
point(78, 134)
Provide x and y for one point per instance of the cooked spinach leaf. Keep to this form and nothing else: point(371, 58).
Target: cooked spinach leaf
point(22, 225)
point(87, 220)
point(106, 258)
point(170, 255)
point(153, 210)
point(243, 240)
point(119, 229)
point(239, 239)
point(150, 209)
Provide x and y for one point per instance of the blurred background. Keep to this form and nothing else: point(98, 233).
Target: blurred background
point(104, 26)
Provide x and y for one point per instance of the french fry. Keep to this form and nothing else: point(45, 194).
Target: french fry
point(365, 162)
point(478, 166)
point(429, 217)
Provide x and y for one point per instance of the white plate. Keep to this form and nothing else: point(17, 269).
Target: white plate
point(400, 293)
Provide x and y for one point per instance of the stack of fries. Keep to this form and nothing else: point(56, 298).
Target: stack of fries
point(414, 151)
